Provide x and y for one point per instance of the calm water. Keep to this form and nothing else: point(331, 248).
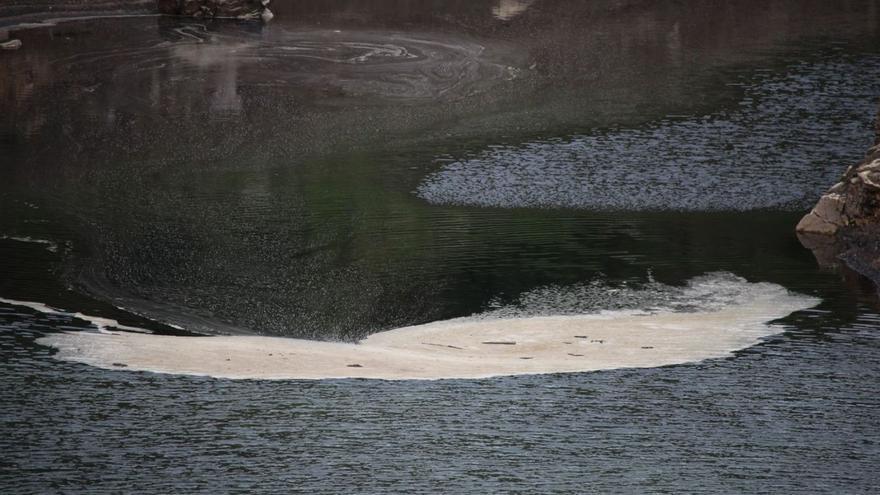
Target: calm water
point(359, 166)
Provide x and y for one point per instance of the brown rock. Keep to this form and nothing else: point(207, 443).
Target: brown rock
point(871, 178)
point(872, 165)
point(849, 217)
point(830, 208)
point(825, 248)
point(814, 224)
point(838, 188)
point(169, 7)
point(826, 217)
point(238, 9)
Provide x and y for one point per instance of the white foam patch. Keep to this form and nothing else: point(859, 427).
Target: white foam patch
point(54, 21)
point(728, 314)
point(103, 325)
point(50, 245)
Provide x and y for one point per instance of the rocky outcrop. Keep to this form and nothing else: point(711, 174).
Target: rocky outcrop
point(238, 9)
point(845, 223)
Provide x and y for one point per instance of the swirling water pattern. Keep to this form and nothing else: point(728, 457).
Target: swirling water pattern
point(356, 62)
point(127, 135)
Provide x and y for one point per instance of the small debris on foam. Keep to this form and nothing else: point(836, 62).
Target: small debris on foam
point(712, 316)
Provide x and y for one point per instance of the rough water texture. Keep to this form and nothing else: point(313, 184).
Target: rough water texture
point(224, 216)
point(723, 314)
point(730, 160)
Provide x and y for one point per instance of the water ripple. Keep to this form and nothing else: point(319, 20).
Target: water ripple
point(788, 141)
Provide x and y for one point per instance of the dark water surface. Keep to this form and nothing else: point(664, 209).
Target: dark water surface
point(359, 166)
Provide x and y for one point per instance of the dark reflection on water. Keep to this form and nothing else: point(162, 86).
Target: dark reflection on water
point(245, 178)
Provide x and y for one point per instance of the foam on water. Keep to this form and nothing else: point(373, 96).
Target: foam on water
point(104, 325)
point(550, 330)
point(54, 21)
point(50, 245)
point(779, 149)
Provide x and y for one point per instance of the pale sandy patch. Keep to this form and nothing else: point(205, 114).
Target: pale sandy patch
point(460, 348)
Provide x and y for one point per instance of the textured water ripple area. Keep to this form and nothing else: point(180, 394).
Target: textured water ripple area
point(772, 151)
point(330, 62)
point(229, 177)
point(795, 414)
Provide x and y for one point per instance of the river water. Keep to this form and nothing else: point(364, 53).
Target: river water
point(361, 166)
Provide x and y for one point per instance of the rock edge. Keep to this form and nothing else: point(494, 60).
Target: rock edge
point(235, 9)
point(845, 223)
